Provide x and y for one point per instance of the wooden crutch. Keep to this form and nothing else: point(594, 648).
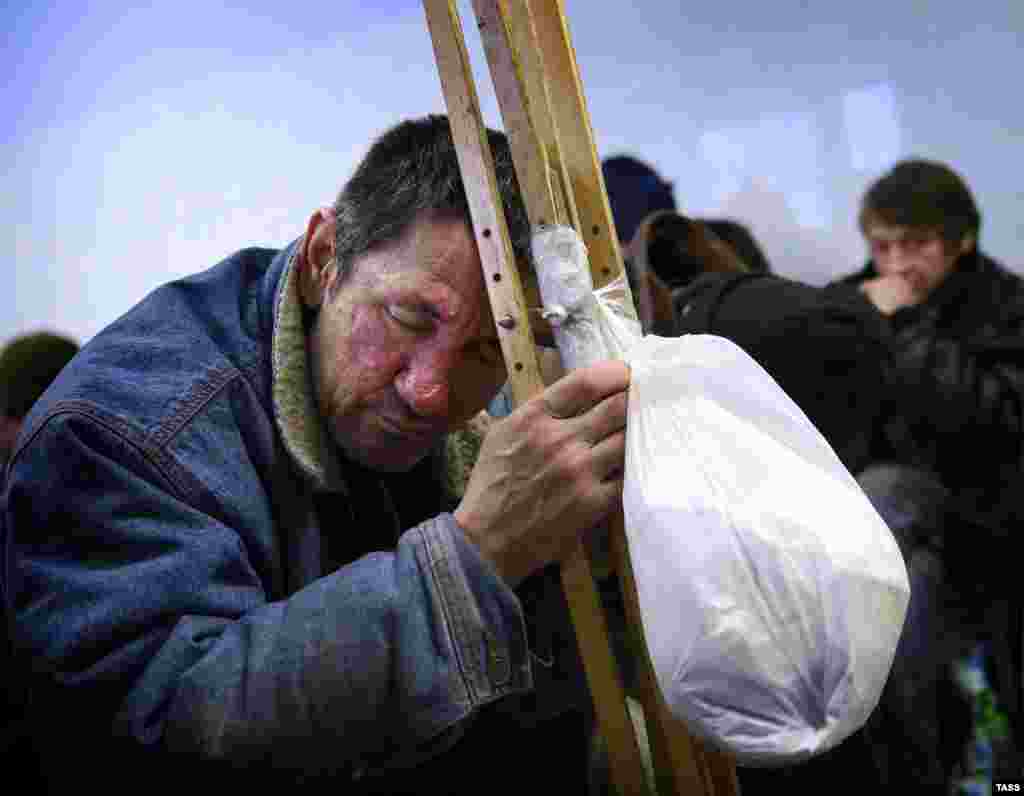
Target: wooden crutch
point(537, 83)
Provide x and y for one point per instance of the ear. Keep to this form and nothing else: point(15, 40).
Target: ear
point(317, 265)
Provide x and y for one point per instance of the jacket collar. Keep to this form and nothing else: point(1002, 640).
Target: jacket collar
point(298, 419)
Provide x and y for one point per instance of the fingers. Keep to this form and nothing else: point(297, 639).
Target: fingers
point(604, 419)
point(584, 388)
point(604, 497)
point(609, 456)
point(549, 471)
point(890, 293)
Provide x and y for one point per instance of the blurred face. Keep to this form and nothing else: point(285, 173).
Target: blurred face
point(405, 350)
point(920, 256)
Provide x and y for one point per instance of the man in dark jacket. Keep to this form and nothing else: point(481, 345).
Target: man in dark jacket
point(824, 346)
point(948, 451)
point(226, 550)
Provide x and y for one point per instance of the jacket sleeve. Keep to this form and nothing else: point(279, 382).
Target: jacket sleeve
point(144, 613)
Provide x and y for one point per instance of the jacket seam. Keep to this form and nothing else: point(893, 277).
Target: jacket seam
point(195, 401)
point(125, 432)
point(444, 580)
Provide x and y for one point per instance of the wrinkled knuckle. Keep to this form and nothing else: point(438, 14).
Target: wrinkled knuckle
point(616, 408)
point(531, 411)
point(592, 392)
point(538, 436)
point(574, 462)
point(534, 423)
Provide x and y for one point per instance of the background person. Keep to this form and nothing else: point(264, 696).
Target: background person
point(946, 458)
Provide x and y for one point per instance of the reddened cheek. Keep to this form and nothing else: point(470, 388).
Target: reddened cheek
point(369, 341)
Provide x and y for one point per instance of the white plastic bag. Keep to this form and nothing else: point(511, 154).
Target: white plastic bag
point(772, 594)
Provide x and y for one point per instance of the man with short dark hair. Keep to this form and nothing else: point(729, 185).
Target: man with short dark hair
point(948, 451)
point(228, 552)
point(919, 221)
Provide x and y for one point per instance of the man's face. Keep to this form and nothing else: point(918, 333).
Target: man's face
point(919, 256)
point(406, 349)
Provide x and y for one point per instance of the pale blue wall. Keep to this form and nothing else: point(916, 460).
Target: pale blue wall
point(142, 144)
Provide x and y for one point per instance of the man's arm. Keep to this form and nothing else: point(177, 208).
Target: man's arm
point(153, 616)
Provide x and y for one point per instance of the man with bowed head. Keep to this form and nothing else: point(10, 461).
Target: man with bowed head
point(225, 552)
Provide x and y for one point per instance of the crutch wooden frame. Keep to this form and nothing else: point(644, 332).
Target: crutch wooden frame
point(540, 94)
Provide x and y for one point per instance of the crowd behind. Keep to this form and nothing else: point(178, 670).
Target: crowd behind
point(264, 522)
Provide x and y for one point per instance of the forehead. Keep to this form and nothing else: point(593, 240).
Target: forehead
point(437, 255)
point(441, 247)
point(434, 264)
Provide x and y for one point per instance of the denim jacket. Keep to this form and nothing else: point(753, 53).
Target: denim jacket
point(171, 512)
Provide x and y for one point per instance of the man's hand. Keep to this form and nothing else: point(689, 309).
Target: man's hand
point(549, 472)
point(891, 293)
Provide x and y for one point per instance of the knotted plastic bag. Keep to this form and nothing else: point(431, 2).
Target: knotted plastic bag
point(772, 594)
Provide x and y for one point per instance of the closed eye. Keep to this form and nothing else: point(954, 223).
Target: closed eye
point(415, 318)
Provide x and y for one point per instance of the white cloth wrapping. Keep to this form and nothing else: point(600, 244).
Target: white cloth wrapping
point(772, 594)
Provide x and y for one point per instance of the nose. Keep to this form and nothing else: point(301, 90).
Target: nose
point(900, 258)
point(424, 383)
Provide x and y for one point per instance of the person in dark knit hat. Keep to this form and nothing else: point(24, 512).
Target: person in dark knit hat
point(635, 190)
